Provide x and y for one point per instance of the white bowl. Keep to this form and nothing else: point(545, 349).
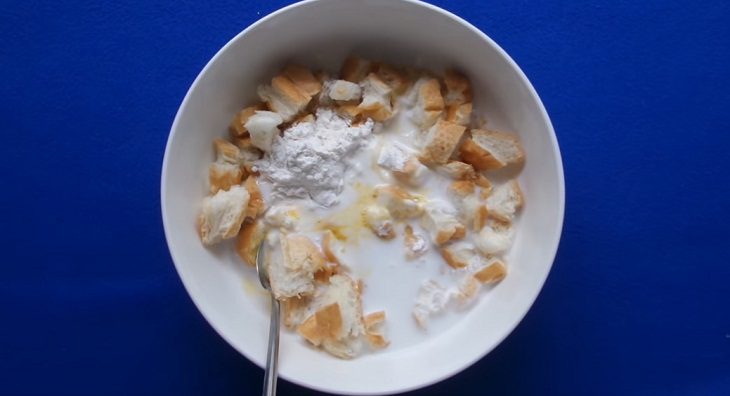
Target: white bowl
point(320, 34)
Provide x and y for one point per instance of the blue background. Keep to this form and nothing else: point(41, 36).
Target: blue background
point(637, 302)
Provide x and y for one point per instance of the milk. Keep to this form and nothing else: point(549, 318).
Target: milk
point(391, 280)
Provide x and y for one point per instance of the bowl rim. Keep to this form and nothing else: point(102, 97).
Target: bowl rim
point(557, 232)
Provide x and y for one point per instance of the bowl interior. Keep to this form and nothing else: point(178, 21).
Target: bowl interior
point(320, 34)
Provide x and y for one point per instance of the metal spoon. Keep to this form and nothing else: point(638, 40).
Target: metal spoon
point(272, 356)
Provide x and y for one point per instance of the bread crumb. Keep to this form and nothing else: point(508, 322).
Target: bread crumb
point(222, 215)
point(355, 69)
point(441, 141)
point(439, 219)
point(493, 272)
point(491, 150)
point(283, 216)
point(416, 244)
point(494, 239)
point(237, 126)
point(458, 88)
point(249, 239)
point(262, 126)
point(375, 99)
point(256, 205)
point(342, 90)
point(379, 220)
point(504, 201)
point(432, 299)
point(458, 254)
point(399, 203)
point(303, 79)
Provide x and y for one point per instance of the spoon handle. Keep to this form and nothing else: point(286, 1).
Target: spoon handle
point(272, 356)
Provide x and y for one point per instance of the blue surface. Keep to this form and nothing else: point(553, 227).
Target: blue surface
point(637, 302)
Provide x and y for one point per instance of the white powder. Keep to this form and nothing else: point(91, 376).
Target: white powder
point(311, 158)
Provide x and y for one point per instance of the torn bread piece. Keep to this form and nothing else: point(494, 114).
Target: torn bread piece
point(481, 216)
point(414, 173)
point(429, 104)
point(494, 238)
point(468, 288)
point(249, 153)
point(322, 76)
point(432, 299)
point(441, 222)
point(256, 205)
point(485, 193)
point(282, 216)
point(459, 113)
point(349, 111)
point(222, 215)
point(462, 188)
point(504, 201)
point(326, 323)
point(303, 79)
point(373, 319)
point(339, 330)
point(283, 97)
point(304, 118)
point(466, 291)
point(416, 244)
point(492, 272)
point(295, 310)
point(459, 254)
point(248, 150)
point(404, 165)
point(395, 78)
point(226, 170)
point(373, 329)
point(379, 220)
point(332, 248)
point(237, 127)
point(400, 204)
point(349, 342)
point(458, 88)
point(263, 128)
point(482, 181)
point(328, 270)
point(490, 150)
point(355, 69)
point(472, 211)
point(226, 151)
point(375, 98)
point(322, 98)
point(343, 91)
point(333, 251)
point(429, 94)
point(293, 259)
point(248, 242)
point(456, 170)
point(440, 142)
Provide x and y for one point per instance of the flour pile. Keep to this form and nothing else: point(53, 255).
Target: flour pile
point(310, 158)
